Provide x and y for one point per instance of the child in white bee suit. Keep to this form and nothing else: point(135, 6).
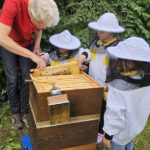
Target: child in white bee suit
point(128, 104)
point(67, 49)
point(107, 27)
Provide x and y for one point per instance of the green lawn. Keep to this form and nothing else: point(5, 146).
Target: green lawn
point(10, 138)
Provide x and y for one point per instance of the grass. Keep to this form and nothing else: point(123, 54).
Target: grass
point(10, 138)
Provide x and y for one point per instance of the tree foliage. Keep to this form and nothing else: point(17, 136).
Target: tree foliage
point(75, 16)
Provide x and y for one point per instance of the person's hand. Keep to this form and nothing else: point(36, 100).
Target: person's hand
point(107, 143)
point(39, 61)
point(80, 60)
point(83, 67)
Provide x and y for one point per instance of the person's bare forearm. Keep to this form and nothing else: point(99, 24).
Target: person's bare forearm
point(37, 47)
point(13, 47)
point(10, 45)
point(38, 36)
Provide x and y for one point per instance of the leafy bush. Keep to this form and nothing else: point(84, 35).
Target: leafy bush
point(133, 15)
point(1, 3)
point(2, 85)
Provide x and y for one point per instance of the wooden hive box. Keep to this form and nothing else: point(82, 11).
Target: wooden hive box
point(83, 93)
point(85, 97)
point(78, 131)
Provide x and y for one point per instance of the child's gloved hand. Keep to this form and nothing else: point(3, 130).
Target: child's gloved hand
point(83, 67)
point(81, 60)
point(107, 143)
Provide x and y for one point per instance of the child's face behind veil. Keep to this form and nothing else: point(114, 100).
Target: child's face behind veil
point(128, 65)
point(104, 36)
point(62, 50)
point(63, 53)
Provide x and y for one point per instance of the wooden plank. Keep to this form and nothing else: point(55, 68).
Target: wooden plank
point(63, 136)
point(82, 102)
point(34, 98)
point(39, 103)
point(78, 119)
point(79, 131)
point(91, 79)
point(91, 146)
point(65, 82)
point(85, 102)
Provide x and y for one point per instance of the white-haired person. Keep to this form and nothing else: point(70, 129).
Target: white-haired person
point(19, 20)
point(106, 27)
point(66, 49)
point(128, 104)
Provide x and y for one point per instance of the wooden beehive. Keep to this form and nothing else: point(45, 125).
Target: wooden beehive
point(85, 97)
point(83, 93)
point(59, 109)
